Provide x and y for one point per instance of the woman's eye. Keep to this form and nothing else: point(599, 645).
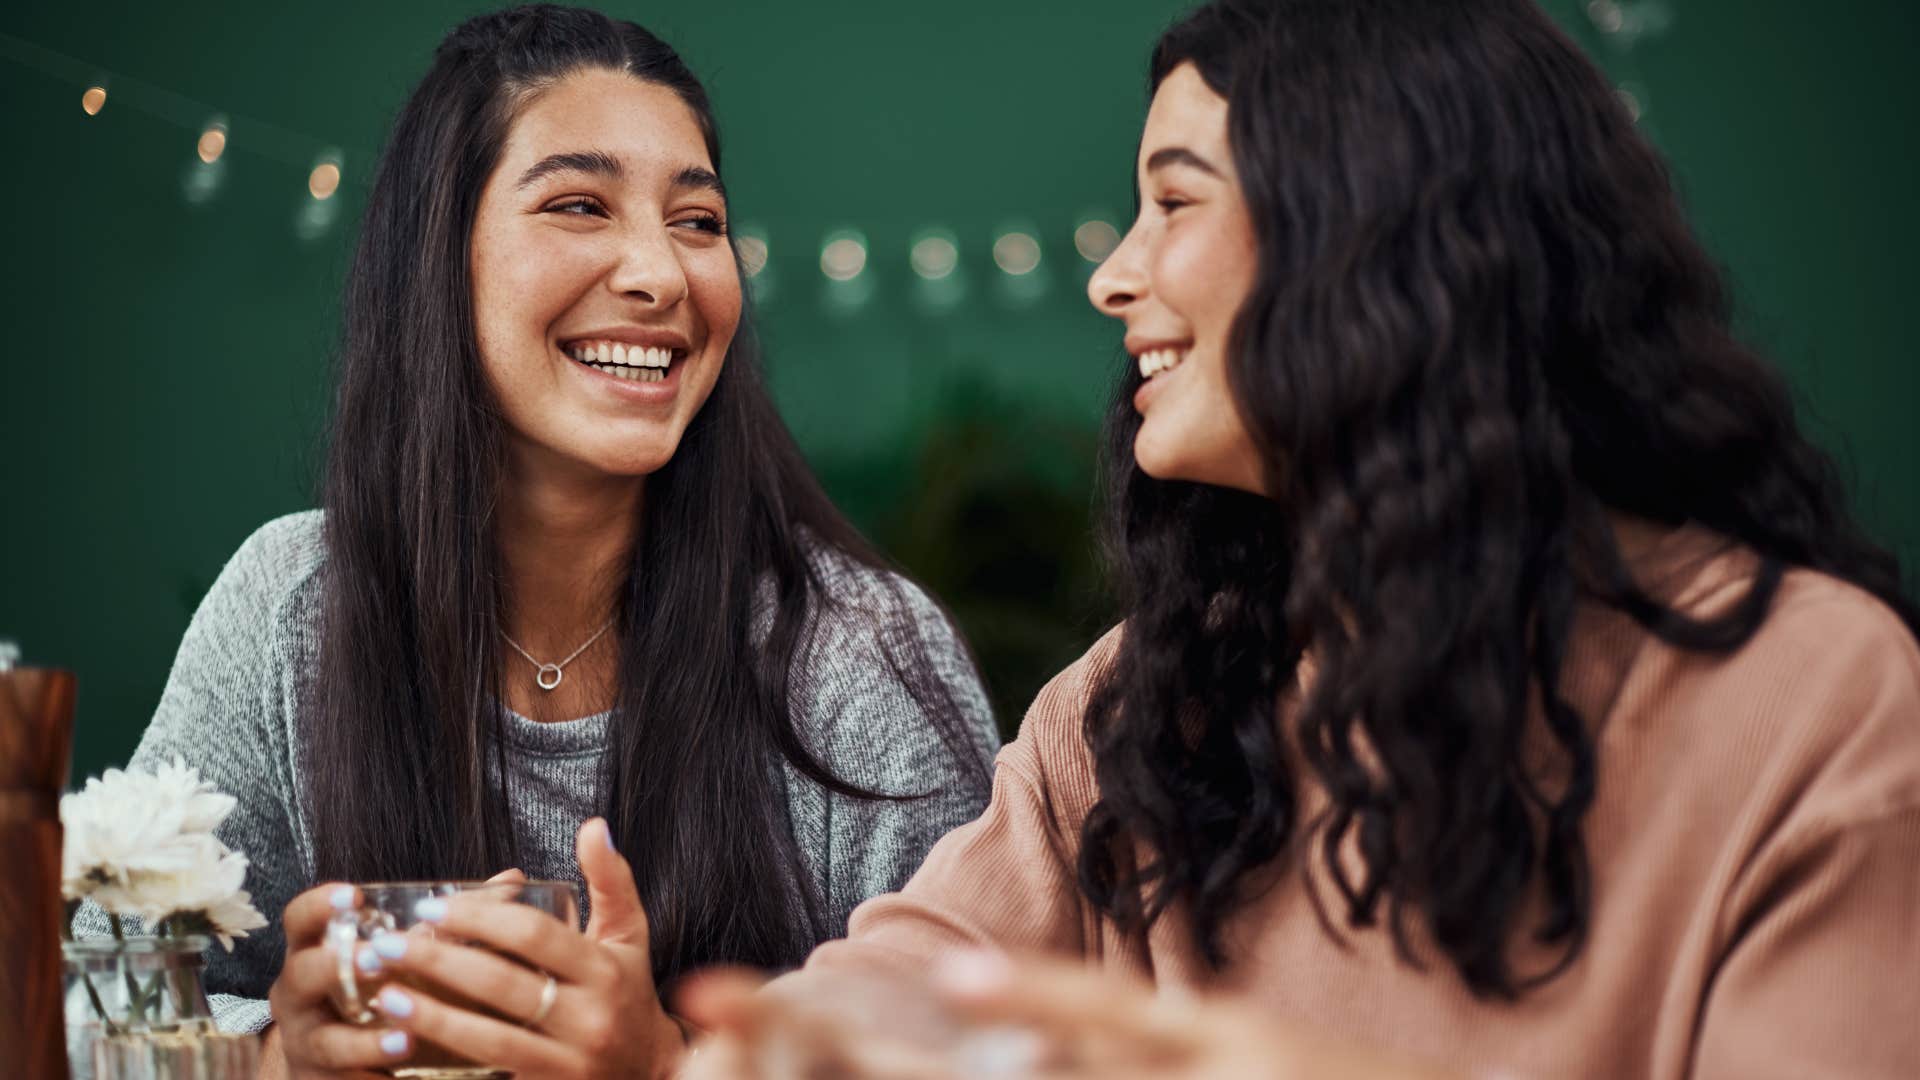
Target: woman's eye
point(1171, 203)
point(578, 207)
point(706, 223)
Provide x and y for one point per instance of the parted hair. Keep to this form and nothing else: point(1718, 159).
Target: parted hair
point(404, 746)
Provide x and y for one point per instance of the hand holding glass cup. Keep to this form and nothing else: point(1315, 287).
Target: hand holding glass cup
point(371, 940)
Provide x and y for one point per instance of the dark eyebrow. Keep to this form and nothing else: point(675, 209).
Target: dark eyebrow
point(1179, 155)
point(596, 162)
point(696, 176)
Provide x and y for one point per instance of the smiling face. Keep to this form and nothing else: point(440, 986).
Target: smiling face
point(605, 293)
point(1177, 280)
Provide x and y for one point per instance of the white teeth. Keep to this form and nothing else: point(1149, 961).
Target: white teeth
point(1155, 361)
point(631, 362)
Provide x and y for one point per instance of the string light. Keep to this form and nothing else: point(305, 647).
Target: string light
point(1095, 240)
point(935, 255)
point(753, 250)
point(844, 256)
point(1607, 15)
point(1631, 101)
point(324, 180)
point(213, 141)
point(1016, 253)
point(322, 209)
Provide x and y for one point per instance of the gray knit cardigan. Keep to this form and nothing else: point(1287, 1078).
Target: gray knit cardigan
point(232, 709)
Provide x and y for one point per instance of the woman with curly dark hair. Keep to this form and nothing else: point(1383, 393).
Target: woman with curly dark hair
point(1504, 683)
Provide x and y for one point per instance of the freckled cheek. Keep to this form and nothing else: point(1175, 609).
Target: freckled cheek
point(715, 290)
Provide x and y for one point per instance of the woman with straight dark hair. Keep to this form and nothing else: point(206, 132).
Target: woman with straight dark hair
point(571, 566)
point(1504, 684)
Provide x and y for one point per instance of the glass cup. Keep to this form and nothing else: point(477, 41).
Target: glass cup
point(392, 908)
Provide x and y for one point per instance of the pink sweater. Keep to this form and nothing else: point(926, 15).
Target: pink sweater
point(1755, 845)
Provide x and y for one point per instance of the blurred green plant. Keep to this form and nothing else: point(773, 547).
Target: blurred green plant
point(994, 515)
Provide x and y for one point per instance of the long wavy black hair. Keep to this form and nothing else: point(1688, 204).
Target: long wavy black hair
point(403, 744)
point(1479, 326)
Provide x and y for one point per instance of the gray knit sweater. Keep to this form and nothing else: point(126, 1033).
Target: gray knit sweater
point(232, 709)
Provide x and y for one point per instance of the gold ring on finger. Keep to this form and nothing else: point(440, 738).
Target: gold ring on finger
point(549, 994)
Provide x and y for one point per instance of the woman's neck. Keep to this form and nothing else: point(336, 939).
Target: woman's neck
point(564, 535)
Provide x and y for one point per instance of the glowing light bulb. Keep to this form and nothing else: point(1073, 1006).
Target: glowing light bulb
point(843, 256)
point(1016, 253)
point(753, 252)
point(1607, 15)
point(1632, 103)
point(94, 100)
point(213, 142)
point(1095, 240)
point(324, 180)
point(934, 256)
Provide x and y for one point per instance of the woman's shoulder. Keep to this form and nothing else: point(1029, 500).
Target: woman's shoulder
point(1820, 632)
point(296, 542)
point(867, 611)
point(871, 594)
point(272, 578)
point(281, 556)
point(1051, 750)
point(874, 647)
point(1820, 708)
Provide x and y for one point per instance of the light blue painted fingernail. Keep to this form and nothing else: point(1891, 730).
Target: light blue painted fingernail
point(341, 898)
point(394, 1043)
point(367, 962)
point(391, 946)
point(431, 909)
point(395, 1002)
point(606, 830)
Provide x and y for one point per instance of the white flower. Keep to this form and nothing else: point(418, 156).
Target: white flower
point(205, 897)
point(121, 826)
point(200, 807)
point(139, 844)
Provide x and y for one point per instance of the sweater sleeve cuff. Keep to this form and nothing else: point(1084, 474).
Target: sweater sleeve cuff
point(240, 1015)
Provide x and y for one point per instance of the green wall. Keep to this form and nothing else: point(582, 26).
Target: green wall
point(165, 381)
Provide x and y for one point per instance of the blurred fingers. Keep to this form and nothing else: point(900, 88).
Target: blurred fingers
point(1066, 1002)
point(719, 999)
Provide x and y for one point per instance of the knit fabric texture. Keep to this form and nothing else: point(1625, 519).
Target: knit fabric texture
point(232, 709)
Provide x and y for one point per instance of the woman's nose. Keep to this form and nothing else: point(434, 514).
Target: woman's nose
point(1121, 280)
point(649, 270)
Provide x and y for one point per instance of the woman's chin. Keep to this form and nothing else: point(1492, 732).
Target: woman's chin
point(1174, 459)
point(1155, 458)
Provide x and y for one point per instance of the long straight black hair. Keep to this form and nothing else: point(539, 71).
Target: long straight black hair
point(1479, 326)
point(404, 745)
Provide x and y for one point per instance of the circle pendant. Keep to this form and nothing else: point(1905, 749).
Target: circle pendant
point(548, 676)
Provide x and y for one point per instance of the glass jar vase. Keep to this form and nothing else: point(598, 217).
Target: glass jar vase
point(136, 1009)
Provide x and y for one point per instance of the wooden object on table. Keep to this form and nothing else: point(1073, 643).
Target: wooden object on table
point(36, 749)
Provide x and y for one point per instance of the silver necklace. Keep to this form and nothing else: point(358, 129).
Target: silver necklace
point(553, 671)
